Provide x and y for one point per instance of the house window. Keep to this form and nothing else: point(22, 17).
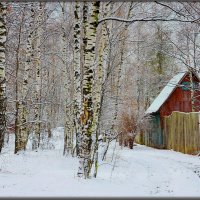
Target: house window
point(186, 86)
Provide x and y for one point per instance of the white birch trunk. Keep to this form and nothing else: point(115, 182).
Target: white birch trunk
point(23, 112)
point(2, 74)
point(37, 66)
point(88, 77)
point(20, 142)
point(77, 75)
point(100, 73)
point(68, 129)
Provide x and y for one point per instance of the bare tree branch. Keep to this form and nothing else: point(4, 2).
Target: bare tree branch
point(164, 5)
point(146, 20)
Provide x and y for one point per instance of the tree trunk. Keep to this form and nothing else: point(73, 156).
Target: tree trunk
point(37, 66)
point(68, 130)
point(77, 76)
point(88, 77)
point(2, 74)
point(20, 142)
point(23, 109)
point(98, 83)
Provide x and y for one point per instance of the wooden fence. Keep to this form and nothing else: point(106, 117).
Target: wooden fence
point(182, 132)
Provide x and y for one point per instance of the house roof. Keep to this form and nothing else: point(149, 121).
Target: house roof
point(165, 93)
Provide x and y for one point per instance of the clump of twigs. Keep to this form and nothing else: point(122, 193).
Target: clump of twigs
point(128, 129)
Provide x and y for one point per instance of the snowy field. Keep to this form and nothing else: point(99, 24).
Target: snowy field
point(142, 171)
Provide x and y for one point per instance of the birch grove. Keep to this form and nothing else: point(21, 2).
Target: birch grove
point(92, 68)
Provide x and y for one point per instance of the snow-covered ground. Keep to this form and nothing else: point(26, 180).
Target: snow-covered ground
point(142, 171)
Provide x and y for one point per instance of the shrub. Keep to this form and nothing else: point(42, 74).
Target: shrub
point(127, 128)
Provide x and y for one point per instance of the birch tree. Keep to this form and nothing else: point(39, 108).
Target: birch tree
point(77, 75)
point(2, 74)
point(20, 134)
point(22, 130)
point(98, 83)
point(88, 77)
point(37, 66)
point(68, 83)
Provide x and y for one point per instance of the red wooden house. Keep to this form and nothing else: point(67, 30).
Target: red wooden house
point(175, 96)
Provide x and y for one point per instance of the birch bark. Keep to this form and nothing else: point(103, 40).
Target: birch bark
point(68, 143)
point(77, 75)
point(20, 139)
point(2, 74)
point(23, 117)
point(98, 84)
point(88, 77)
point(37, 66)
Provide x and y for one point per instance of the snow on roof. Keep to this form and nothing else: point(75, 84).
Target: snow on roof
point(165, 93)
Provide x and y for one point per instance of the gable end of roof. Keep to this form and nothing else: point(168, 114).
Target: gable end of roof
point(166, 92)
